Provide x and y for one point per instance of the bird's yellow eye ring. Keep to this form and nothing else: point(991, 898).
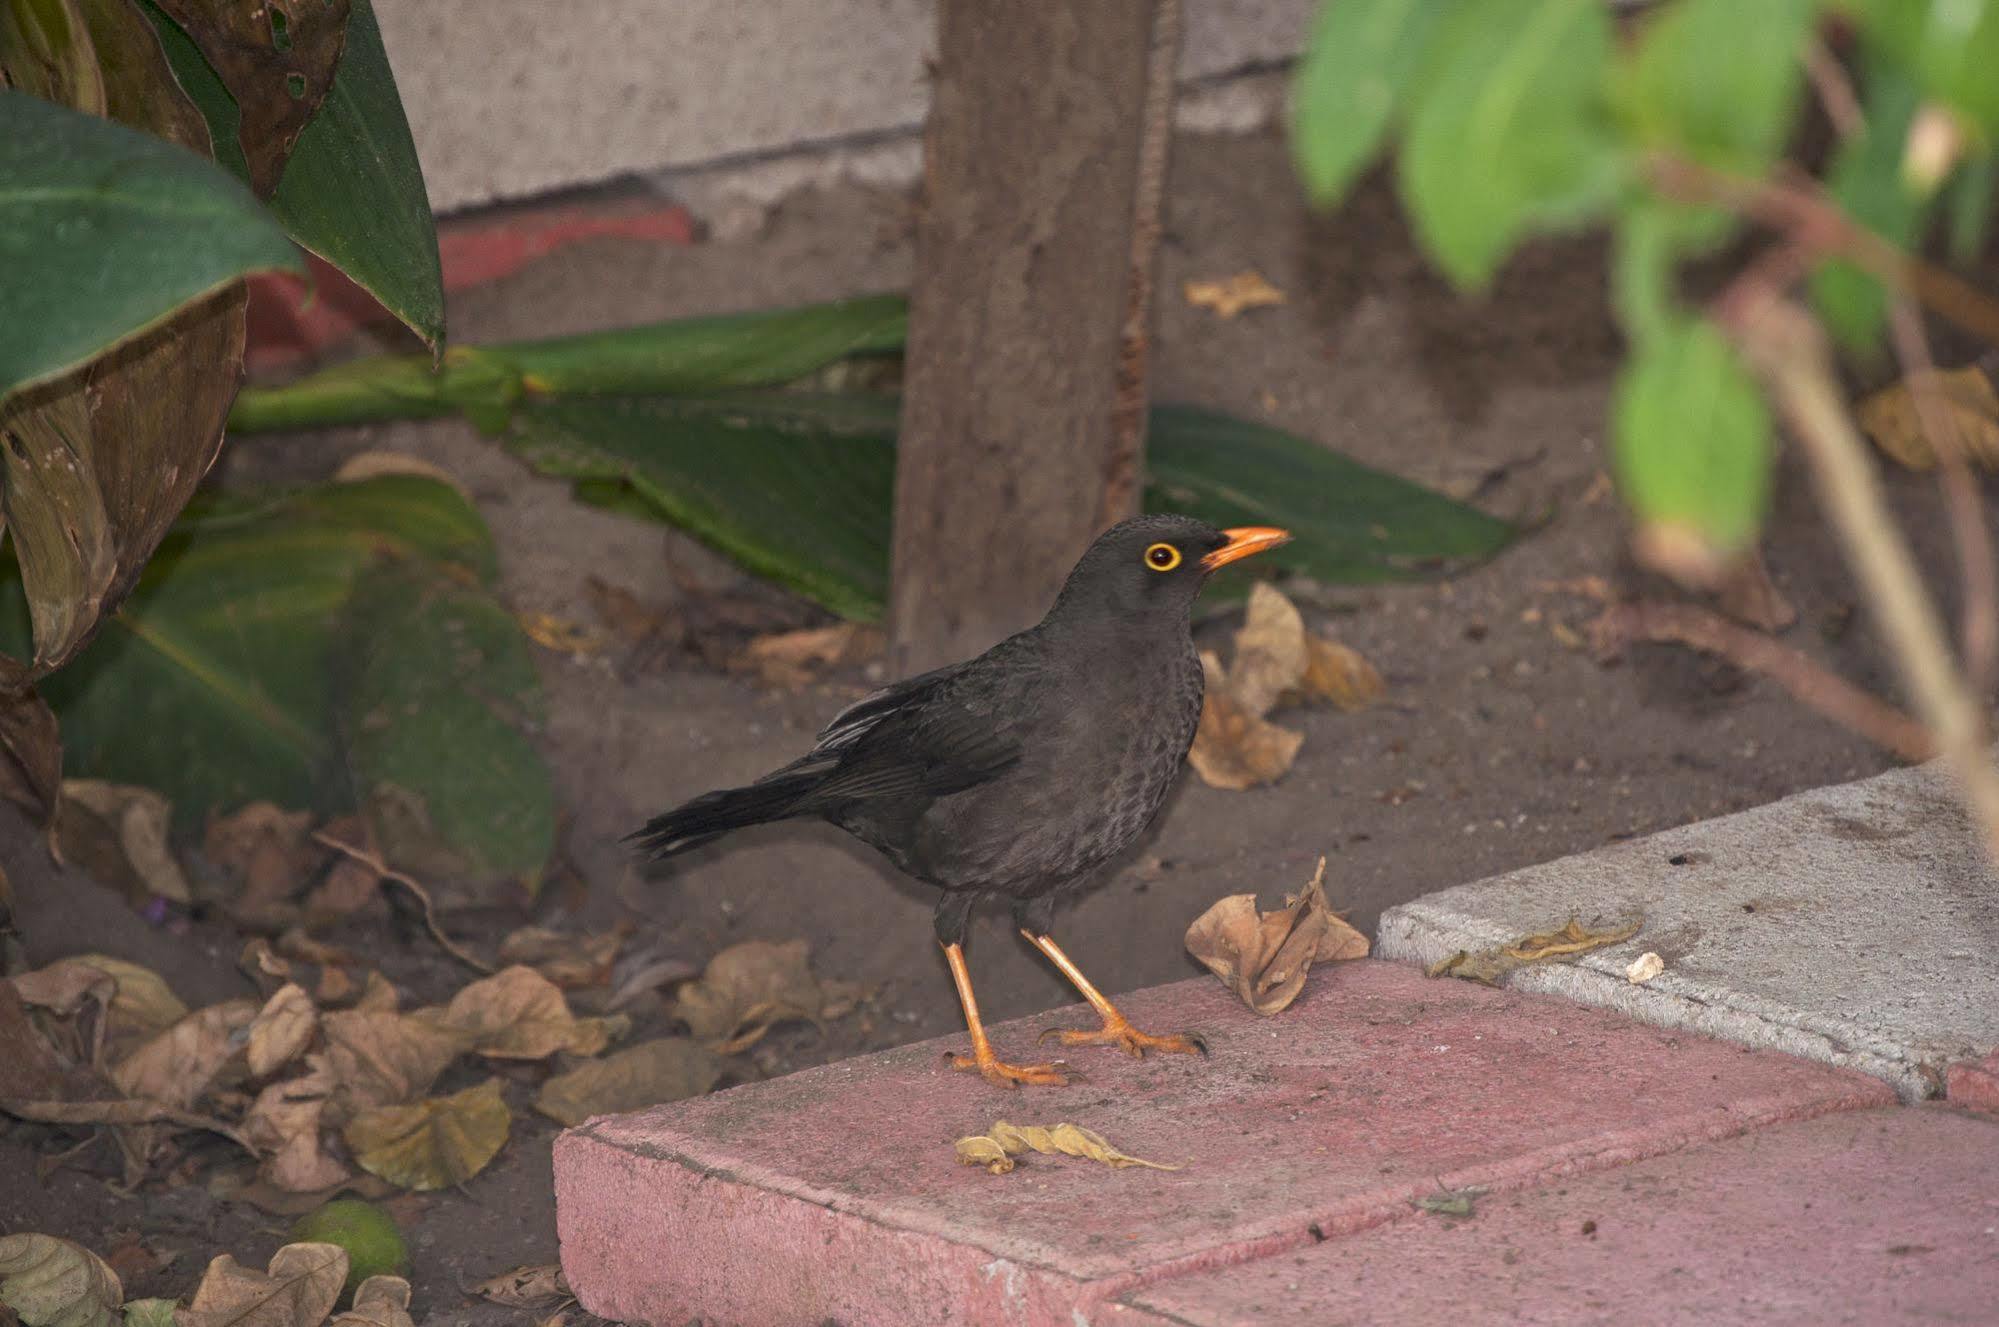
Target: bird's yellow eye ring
point(1162, 557)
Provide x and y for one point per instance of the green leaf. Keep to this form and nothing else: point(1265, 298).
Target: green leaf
point(1969, 199)
point(105, 232)
point(1866, 180)
point(1949, 48)
point(1357, 64)
point(352, 191)
point(1692, 442)
point(1508, 132)
point(1350, 523)
point(221, 655)
point(689, 357)
point(435, 695)
point(799, 489)
point(1719, 80)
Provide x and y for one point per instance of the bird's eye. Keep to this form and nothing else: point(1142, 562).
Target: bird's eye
point(1162, 557)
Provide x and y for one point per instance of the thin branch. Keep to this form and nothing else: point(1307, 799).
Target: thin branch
point(1833, 88)
point(1810, 683)
point(1978, 623)
point(1788, 349)
point(387, 872)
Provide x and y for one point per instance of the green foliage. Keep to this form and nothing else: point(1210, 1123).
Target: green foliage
point(1350, 83)
point(1949, 48)
point(1718, 80)
point(1867, 180)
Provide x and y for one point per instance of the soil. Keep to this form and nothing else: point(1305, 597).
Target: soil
point(1502, 743)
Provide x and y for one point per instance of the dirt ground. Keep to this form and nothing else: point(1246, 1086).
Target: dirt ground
point(1501, 744)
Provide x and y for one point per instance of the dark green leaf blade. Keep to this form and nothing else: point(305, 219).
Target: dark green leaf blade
point(1350, 79)
point(1866, 179)
point(1692, 445)
point(1507, 131)
point(104, 232)
point(1350, 524)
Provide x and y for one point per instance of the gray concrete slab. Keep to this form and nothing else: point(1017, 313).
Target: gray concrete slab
point(1857, 925)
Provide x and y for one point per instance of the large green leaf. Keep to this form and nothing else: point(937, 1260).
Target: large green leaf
point(1718, 80)
point(1866, 179)
point(1950, 48)
point(352, 191)
point(216, 682)
point(105, 232)
point(1353, 76)
point(689, 356)
point(799, 489)
point(1507, 130)
point(435, 694)
point(1692, 441)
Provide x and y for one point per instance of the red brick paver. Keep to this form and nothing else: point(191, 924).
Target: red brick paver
point(834, 1193)
point(1975, 1084)
point(1877, 1217)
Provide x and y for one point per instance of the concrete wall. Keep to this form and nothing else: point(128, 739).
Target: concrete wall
point(511, 98)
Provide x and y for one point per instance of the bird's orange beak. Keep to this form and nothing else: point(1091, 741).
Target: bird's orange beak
point(1242, 541)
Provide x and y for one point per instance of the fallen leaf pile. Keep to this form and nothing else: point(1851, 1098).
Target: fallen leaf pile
point(1277, 662)
point(1962, 400)
point(316, 1089)
point(1263, 956)
point(1490, 965)
point(50, 1282)
point(996, 1148)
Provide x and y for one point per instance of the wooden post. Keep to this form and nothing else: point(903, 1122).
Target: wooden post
point(1023, 408)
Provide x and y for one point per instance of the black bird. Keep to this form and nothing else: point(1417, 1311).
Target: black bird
point(1018, 773)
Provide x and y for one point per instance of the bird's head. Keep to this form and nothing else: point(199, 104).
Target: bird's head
point(1154, 566)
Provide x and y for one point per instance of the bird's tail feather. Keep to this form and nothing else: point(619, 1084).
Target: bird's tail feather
point(711, 815)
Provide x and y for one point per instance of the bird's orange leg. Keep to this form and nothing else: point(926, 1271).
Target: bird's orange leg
point(1117, 1029)
point(993, 1069)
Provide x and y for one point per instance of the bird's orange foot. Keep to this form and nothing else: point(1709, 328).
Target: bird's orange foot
point(1001, 1074)
point(1117, 1032)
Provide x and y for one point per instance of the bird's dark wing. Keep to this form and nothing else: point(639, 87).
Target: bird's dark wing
point(846, 727)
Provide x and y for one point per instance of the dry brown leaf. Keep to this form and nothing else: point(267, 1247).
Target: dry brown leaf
point(51, 1282)
point(281, 1030)
point(518, 1014)
point(264, 849)
point(1271, 653)
point(118, 834)
point(996, 1148)
point(177, 1066)
point(570, 961)
point(302, 1286)
point(143, 1006)
point(632, 1079)
point(350, 884)
point(1229, 296)
point(560, 634)
point(1233, 748)
point(64, 987)
point(1263, 956)
point(284, 1122)
point(379, 1301)
point(379, 1057)
point(1490, 965)
point(791, 659)
point(1340, 674)
point(1643, 968)
point(1747, 594)
point(378, 995)
point(1964, 401)
point(525, 1287)
point(749, 987)
point(432, 1144)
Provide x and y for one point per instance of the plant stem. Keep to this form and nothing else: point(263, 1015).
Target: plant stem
point(1788, 348)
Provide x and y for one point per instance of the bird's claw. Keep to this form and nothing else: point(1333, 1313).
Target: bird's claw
point(1001, 1074)
point(1130, 1040)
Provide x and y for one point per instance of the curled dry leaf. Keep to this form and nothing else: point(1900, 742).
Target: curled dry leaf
point(1234, 748)
point(791, 659)
point(570, 961)
point(525, 1287)
point(142, 1006)
point(1271, 653)
point(284, 1122)
point(379, 1057)
point(51, 1282)
point(1263, 956)
point(118, 834)
point(518, 1014)
point(302, 1286)
point(1340, 674)
point(1964, 402)
point(748, 988)
point(1229, 296)
point(379, 1301)
point(64, 987)
point(1643, 968)
point(1492, 964)
point(282, 1029)
point(560, 634)
point(433, 1144)
point(264, 851)
point(996, 1148)
point(177, 1066)
point(644, 1075)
